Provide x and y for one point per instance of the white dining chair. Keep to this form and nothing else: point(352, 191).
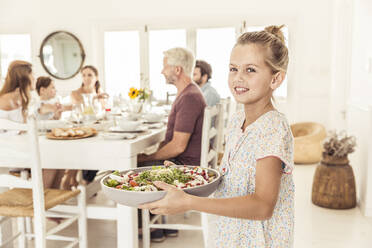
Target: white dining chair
point(208, 159)
point(222, 128)
point(27, 197)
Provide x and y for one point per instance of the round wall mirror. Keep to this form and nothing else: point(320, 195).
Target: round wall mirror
point(62, 55)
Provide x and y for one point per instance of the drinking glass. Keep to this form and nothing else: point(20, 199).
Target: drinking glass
point(77, 113)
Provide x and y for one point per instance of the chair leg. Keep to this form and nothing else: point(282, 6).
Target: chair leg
point(145, 228)
point(28, 222)
point(40, 232)
point(204, 224)
point(6, 231)
point(22, 241)
point(83, 228)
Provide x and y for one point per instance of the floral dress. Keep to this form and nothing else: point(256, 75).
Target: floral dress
point(269, 135)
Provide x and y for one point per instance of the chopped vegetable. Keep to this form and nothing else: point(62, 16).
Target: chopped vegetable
point(181, 177)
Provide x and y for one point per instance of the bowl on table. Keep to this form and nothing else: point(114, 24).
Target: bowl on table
point(130, 117)
point(126, 125)
point(153, 117)
point(135, 198)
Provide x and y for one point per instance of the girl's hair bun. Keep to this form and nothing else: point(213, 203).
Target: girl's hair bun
point(275, 30)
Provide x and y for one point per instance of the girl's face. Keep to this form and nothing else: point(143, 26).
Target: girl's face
point(89, 78)
point(48, 92)
point(250, 78)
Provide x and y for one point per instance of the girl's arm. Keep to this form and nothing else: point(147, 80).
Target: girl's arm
point(102, 98)
point(67, 107)
point(47, 108)
point(257, 206)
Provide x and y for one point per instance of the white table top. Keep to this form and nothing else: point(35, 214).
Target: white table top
point(89, 153)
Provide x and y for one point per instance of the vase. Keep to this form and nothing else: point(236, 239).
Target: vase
point(334, 184)
point(136, 106)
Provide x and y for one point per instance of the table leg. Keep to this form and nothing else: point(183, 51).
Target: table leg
point(127, 221)
point(127, 227)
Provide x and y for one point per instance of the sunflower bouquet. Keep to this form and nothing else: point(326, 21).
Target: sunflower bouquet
point(139, 97)
point(140, 94)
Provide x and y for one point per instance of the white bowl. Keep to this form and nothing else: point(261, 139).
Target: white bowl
point(126, 125)
point(153, 117)
point(133, 199)
point(129, 117)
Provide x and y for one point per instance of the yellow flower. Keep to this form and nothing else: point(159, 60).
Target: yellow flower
point(133, 93)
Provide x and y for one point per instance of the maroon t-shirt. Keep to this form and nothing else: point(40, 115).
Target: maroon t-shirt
point(187, 116)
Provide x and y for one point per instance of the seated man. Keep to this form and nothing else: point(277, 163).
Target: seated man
point(185, 122)
point(202, 74)
point(182, 144)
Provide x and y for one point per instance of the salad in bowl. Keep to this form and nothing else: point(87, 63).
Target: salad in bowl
point(135, 187)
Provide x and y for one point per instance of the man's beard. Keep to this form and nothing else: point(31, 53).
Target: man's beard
point(170, 79)
point(198, 82)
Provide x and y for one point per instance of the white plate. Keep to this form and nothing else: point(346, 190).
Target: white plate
point(117, 129)
point(118, 136)
point(156, 125)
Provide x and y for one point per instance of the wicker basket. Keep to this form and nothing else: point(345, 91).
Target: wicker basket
point(334, 184)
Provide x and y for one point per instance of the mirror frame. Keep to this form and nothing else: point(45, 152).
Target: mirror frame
point(82, 54)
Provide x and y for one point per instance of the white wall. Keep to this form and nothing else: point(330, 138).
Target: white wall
point(361, 78)
point(360, 100)
point(309, 23)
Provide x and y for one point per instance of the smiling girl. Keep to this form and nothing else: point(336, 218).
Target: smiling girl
point(254, 204)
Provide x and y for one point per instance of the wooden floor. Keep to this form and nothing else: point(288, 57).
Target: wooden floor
point(315, 227)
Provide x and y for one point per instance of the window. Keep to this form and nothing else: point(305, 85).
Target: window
point(159, 41)
point(13, 47)
point(214, 46)
point(122, 61)
point(280, 92)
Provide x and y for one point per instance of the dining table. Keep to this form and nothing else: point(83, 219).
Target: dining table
point(92, 153)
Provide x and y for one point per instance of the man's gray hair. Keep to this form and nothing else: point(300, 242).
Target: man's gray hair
point(183, 57)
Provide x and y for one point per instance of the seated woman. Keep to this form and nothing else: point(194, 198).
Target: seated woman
point(90, 85)
point(15, 95)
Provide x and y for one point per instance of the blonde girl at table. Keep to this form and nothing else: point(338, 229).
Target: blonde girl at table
point(254, 204)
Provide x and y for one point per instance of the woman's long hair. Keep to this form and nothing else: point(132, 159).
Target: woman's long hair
point(95, 71)
point(18, 77)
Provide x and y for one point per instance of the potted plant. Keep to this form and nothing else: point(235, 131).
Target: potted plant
point(334, 182)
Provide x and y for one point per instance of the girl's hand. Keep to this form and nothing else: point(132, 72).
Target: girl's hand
point(102, 96)
point(175, 201)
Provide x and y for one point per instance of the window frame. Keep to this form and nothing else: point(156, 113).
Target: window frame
point(191, 39)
